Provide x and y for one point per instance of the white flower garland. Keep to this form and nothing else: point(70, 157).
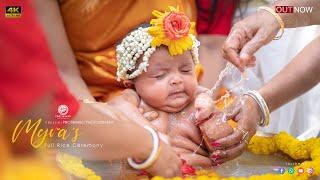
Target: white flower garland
point(135, 44)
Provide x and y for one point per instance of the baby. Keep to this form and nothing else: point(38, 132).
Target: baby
point(157, 65)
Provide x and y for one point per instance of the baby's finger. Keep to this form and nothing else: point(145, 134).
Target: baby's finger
point(141, 110)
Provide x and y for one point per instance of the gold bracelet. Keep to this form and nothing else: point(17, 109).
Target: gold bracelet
point(279, 19)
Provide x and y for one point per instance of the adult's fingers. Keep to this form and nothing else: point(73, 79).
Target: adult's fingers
point(231, 140)
point(238, 37)
point(151, 115)
point(181, 142)
point(253, 45)
point(148, 112)
point(231, 49)
point(233, 111)
point(167, 165)
point(196, 160)
point(180, 151)
point(164, 138)
point(232, 55)
point(220, 157)
point(251, 62)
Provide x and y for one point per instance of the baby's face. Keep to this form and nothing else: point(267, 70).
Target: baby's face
point(170, 81)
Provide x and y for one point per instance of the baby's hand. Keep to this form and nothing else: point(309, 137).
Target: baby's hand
point(204, 106)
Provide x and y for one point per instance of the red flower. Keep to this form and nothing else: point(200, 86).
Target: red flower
point(176, 25)
point(187, 169)
point(142, 172)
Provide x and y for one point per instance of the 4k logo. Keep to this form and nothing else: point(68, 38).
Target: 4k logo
point(13, 11)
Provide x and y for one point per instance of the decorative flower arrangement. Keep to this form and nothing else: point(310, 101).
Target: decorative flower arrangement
point(262, 145)
point(172, 29)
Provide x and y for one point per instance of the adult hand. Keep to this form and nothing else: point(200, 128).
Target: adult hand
point(247, 115)
point(247, 36)
point(168, 163)
point(148, 112)
point(190, 152)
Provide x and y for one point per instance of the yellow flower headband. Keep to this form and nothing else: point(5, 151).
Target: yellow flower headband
point(172, 29)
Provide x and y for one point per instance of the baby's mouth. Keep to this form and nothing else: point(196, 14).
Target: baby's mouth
point(177, 94)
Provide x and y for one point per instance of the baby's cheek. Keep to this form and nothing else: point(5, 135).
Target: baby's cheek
point(154, 96)
point(191, 86)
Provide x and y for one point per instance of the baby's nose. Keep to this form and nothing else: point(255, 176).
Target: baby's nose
point(176, 80)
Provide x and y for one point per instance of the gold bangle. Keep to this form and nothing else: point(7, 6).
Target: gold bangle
point(279, 19)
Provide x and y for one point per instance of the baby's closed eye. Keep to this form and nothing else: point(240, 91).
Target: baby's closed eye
point(157, 75)
point(186, 68)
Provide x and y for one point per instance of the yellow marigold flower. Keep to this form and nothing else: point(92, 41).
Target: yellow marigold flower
point(315, 154)
point(74, 166)
point(262, 145)
point(291, 146)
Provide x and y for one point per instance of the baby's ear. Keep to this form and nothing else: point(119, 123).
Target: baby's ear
point(128, 84)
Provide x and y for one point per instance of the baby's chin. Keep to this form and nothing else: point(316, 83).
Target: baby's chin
point(174, 106)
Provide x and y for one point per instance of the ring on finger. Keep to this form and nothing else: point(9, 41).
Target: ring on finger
point(244, 133)
point(245, 141)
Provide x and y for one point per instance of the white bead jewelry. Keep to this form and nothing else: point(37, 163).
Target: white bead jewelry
point(138, 43)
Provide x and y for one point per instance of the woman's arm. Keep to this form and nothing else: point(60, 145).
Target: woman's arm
point(119, 136)
point(250, 34)
point(49, 16)
point(296, 78)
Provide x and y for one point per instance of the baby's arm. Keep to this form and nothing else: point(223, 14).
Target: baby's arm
point(204, 105)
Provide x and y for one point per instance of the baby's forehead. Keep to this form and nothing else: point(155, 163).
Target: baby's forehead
point(162, 58)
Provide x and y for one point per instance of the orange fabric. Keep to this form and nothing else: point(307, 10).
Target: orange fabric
point(95, 26)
